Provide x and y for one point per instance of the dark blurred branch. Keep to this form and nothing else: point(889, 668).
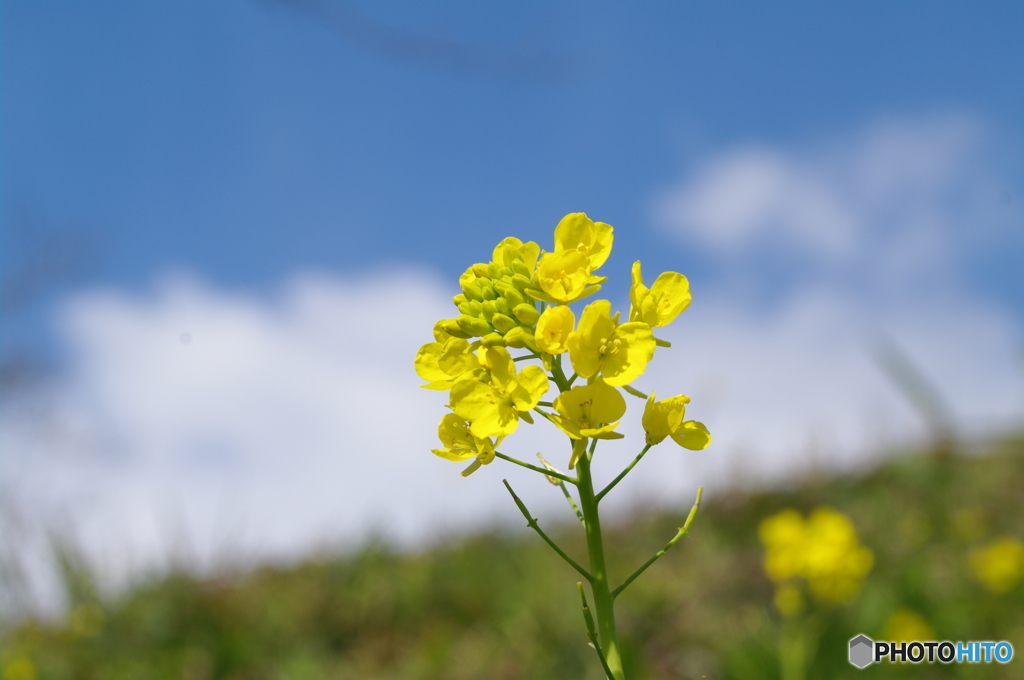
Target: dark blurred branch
point(919, 391)
point(435, 51)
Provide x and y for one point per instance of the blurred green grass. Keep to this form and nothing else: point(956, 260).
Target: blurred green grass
point(500, 604)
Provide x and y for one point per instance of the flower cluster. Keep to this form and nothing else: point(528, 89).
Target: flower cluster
point(823, 550)
point(521, 300)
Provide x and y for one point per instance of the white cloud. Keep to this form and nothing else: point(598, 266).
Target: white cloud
point(901, 196)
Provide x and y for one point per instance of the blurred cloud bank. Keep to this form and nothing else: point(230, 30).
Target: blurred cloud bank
point(202, 420)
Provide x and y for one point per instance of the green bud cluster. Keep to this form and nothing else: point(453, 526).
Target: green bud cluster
point(495, 307)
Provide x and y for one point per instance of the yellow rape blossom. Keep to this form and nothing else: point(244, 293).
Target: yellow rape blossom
point(588, 411)
point(999, 565)
point(665, 419)
point(824, 550)
point(461, 444)
point(577, 232)
point(660, 304)
point(511, 250)
point(494, 407)
point(441, 364)
point(564, 277)
point(601, 346)
point(553, 329)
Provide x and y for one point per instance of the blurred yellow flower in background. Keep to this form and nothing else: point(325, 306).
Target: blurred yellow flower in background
point(823, 550)
point(999, 565)
point(906, 625)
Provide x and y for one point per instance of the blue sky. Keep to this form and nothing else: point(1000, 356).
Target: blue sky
point(271, 202)
point(245, 140)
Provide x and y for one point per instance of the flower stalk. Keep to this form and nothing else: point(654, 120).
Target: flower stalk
point(521, 300)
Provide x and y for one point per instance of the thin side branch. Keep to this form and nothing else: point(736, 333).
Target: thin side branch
point(561, 485)
point(683, 530)
point(588, 618)
point(532, 523)
point(541, 470)
point(622, 474)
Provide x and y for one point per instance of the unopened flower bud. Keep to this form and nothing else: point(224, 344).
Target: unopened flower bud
point(492, 340)
point(493, 270)
point(488, 310)
point(472, 291)
point(502, 323)
point(480, 269)
point(519, 267)
point(474, 326)
point(460, 299)
point(513, 297)
point(451, 327)
point(527, 314)
point(521, 282)
point(502, 307)
point(514, 337)
point(487, 289)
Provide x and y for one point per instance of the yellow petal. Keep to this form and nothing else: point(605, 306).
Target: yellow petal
point(692, 435)
point(532, 384)
point(630, 361)
point(662, 418)
point(426, 363)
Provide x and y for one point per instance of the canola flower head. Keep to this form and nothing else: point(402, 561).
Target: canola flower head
point(823, 550)
point(577, 232)
point(601, 346)
point(999, 565)
point(519, 300)
point(660, 304)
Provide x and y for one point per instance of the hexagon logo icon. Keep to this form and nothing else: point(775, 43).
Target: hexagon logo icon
point(862, 651)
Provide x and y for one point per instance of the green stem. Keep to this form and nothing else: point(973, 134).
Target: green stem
point(623, 473)
point(532, 523)
point(683, 530)
point(549, 473)
point(604, 602)
point(572, 379)
point(528, 356)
